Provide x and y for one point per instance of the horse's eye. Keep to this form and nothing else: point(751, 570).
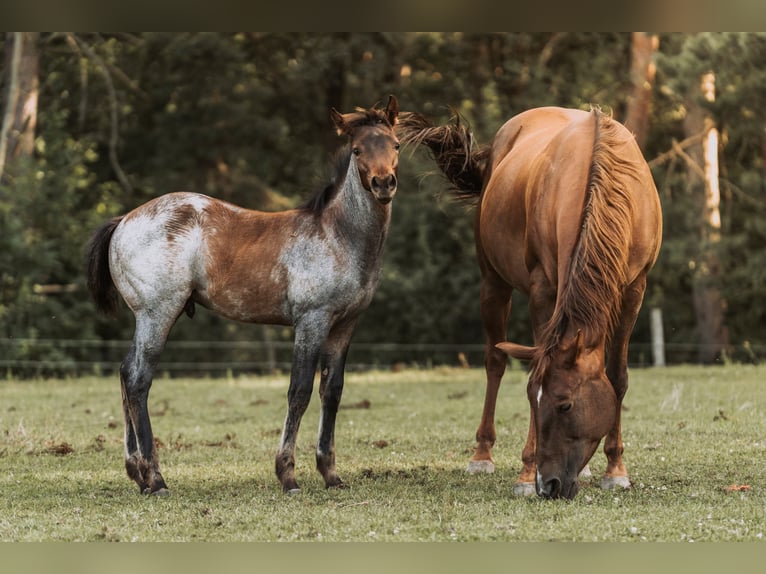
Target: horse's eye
point(564, 407)
point(396, 146)
point(356, 151)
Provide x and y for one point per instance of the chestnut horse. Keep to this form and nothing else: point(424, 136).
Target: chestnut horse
point(567, 213)
point(315, 267)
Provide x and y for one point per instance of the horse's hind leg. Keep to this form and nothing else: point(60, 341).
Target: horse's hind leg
point(495, 303)
point(616, 474)
point(332, 365)
point(136, 373)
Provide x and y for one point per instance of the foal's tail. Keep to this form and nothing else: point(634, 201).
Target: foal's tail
point(100, 283)
point(454, 149)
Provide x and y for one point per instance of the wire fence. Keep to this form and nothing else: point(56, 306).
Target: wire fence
point(77, 357)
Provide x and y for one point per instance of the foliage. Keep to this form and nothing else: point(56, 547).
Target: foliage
point(245, 117)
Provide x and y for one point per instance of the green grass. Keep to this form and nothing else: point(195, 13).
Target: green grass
point(689, 432)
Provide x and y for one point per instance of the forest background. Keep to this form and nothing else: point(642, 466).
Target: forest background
point(94, 125)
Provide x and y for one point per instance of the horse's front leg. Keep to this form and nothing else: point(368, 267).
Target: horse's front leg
point(332, 365)
point(616, 474)
point(309, 335)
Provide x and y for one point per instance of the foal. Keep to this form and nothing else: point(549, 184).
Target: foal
point(315, 267)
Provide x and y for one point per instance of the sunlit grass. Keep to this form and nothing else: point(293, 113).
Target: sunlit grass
point(690, 433)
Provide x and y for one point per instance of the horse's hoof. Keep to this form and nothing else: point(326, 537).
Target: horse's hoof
point(480, 466)
point(292, 491)
point(158, 492)
point(614, 482)
point(524, 489)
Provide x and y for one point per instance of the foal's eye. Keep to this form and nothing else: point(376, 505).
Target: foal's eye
point(396, 146)
point(356, 151)
point(564, 407)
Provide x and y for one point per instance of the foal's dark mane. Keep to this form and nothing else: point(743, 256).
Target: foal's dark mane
point(592, 295)
point(362, 117)
point(317, 202)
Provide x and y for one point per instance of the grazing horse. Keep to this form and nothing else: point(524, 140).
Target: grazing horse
point(567, 213)
point(315, 267)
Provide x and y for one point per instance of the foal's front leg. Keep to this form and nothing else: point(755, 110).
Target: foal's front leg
point(332, 365)
point(309, 336)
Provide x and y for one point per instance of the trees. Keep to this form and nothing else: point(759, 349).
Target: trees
point(17, 131)
point(122, 118)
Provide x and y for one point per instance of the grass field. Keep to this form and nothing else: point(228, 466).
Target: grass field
point(403, 440)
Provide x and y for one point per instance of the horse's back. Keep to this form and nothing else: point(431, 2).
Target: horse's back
point(523, 164)
point(540, 166)
point(527, 133)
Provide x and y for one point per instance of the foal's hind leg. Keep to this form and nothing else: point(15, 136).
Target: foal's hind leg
point(616, 474)
point(332, 365)
point(136, 372)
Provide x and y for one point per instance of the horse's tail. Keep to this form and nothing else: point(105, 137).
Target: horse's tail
point(454, 149)
point(100, 283)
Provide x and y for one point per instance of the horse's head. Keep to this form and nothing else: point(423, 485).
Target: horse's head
point(374, 145)
point(573, 407)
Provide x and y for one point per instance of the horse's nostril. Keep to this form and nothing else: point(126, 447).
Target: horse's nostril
point(551, 488)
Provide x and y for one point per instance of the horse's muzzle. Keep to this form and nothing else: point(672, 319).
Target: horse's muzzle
point(555, 487)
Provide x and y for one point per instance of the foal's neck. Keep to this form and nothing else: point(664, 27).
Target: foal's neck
point(356, 214)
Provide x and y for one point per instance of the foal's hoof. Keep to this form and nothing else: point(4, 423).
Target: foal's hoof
point(158, 492)
point(524, 489)
point(480, 466)
point(615, 482)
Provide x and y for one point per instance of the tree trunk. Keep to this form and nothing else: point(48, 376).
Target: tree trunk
point(17, 132)
point(642, 74)
point(709, 304)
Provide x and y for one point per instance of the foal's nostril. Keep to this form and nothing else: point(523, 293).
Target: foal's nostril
point(386, 183)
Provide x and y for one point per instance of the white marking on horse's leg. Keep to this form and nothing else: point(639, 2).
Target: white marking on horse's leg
point(524, 489)
point(480, 467)
point(615, 482)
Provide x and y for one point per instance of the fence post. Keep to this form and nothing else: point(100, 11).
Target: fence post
point(658, 337)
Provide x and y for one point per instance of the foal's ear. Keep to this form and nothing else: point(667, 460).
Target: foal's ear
point(392, 110)
point(520, 352)
point(337, 119)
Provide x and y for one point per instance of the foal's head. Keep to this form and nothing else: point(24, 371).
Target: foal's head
point(374, 145)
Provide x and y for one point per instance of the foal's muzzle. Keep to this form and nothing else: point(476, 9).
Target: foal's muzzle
point(384, 188)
